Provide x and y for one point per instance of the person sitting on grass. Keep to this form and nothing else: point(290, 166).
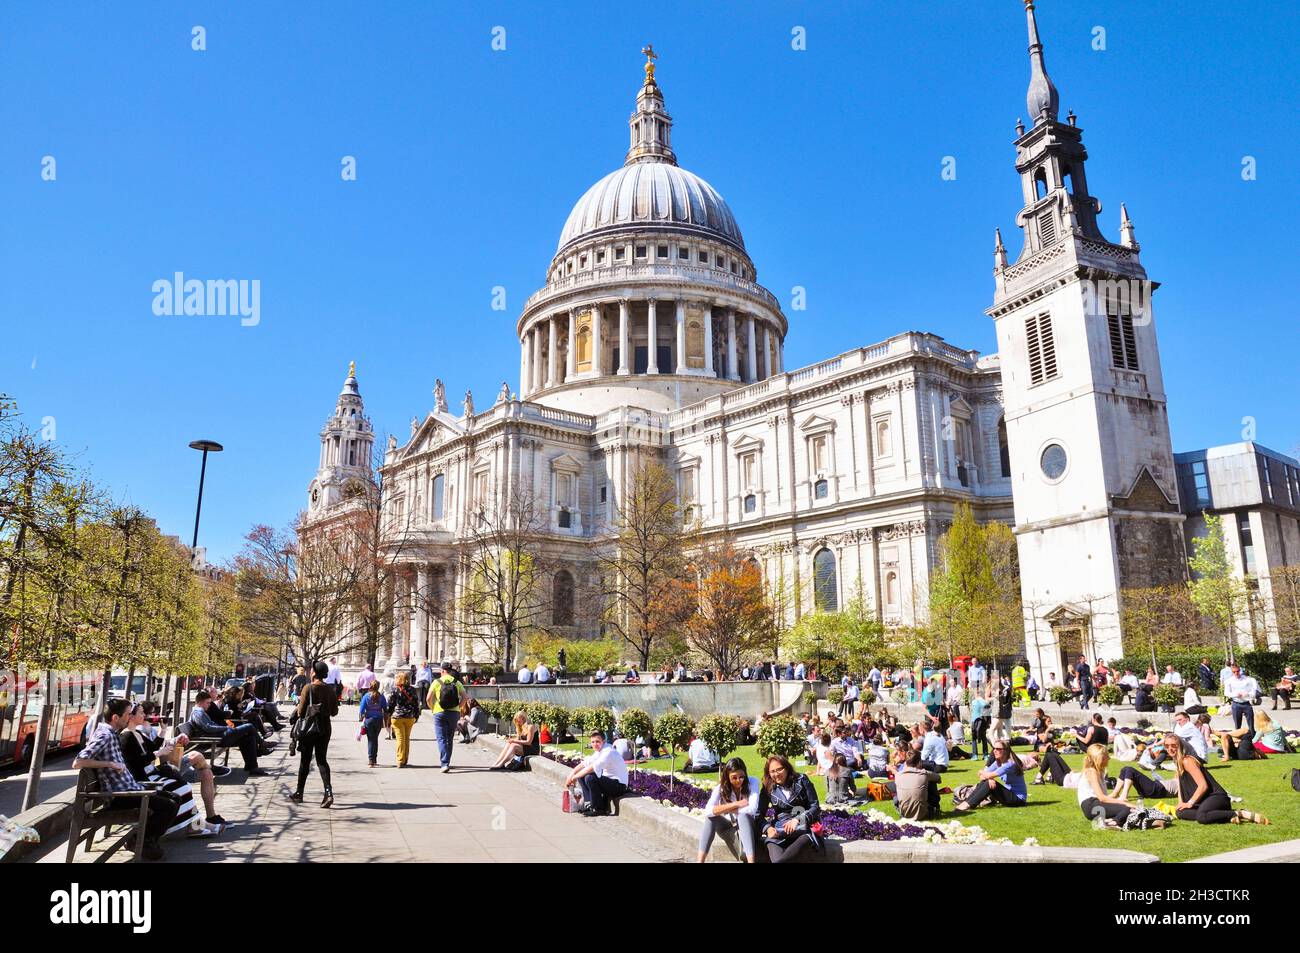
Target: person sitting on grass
point(849, 748)
point(916, 789)
point(1201, 797)
point(823, 756)
point(732, 807)
point(1096, 734)
point(524, 744)
point(934, 750)
point(1098, 806)
point(840, 788)
point(793, 800)
point(1243, 744)
point(877, 755)
point(1131, 779)
point(602, 775)
point(957, 738)
point(1003, 782)
point(1040, 731)
point(1052, 767)
point(700, 758)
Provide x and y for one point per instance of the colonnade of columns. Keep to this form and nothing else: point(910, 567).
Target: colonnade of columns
point(422, 625)
point(747, 347)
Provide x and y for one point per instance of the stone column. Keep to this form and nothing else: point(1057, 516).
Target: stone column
point(751, 365)
point(767, 350)
point(552, 356)
point(733, 372)
point(624, 339)
point(780, 356)
point(571, 357)
point(523, 365)
point(597, 359)
point(402, 611)
point(681, 336)
point(708, 341)
point(652, 340)
point(419, 624)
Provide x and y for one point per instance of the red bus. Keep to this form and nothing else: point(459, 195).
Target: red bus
point(22, 695)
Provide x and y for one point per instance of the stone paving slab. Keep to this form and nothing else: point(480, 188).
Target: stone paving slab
point(415, 813)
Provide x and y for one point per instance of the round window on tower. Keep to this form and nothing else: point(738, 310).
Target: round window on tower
point(1053, 461)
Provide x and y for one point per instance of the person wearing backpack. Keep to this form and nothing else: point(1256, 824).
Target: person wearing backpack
point(444, 700)
point(318, 703)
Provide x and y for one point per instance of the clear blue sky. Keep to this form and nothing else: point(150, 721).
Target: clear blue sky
point(225, 164)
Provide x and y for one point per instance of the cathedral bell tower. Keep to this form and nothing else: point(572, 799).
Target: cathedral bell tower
point(345, 448)
point(1092, 468)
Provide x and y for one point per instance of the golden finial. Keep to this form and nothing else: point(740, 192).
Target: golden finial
point(650, 57)
point(352, 368)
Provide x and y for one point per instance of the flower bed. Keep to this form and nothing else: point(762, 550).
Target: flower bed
point(849, 825)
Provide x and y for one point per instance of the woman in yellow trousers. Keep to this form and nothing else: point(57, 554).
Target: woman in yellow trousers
point(404, 704)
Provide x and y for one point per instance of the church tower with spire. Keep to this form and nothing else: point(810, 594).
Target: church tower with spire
point(346, 442)
point(1092, 468)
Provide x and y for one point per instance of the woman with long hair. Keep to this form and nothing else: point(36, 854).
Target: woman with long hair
point(1201, 797)
point(403, 712)
point(793, 800)
point(1097, 805)
point(325, 699)
point(523, 744)
point(732, 806)
point(1002, 781)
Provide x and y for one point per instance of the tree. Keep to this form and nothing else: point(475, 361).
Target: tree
point(297, 587)
point(1216, 592)
point(506, 573)
point(975, 589)
point(721, 603)
point(1161, 617)
point(643, 565)
point(851, 640)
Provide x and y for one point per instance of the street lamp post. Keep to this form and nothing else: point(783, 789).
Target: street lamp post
point(206, 446)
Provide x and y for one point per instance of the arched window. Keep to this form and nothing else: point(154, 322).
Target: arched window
point(1040, 184)
point(562, 599)
point(750, 503)
point(1067, 180)
point(891, 590)
point(438, 483)
point(1004, 451)
point(824, 582)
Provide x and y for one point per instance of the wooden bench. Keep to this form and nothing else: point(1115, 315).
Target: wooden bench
point(91, 813)
point(208, 747)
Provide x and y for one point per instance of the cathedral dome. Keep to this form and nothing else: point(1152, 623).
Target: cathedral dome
point(655, 194)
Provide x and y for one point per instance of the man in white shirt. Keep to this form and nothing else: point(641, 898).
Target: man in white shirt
point(956, 695)
point(1241, 691)
point(1171, 677)
point(700, 758)
point(542, 674)
point(975, 675)
point(601, 676)
point(800, 672)
point(1185, 729)
point(335, 677)
point(602, 774)
point(525, 675)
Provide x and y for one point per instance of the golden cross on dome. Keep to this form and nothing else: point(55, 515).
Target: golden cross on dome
point(650, 57)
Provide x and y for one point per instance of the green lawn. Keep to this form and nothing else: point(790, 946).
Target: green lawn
point(1053, 815)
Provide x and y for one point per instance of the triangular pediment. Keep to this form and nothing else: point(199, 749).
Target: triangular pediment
point(434, 430)
point(747, 442)
point(566, 462)
point(1067, 614)
point(1144, 495)
point(960, 407)
point(816, 422)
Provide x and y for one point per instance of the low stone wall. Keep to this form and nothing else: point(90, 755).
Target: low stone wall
point(696, 699)
point(682, 831)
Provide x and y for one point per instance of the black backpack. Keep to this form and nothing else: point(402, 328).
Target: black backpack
point(448, 695)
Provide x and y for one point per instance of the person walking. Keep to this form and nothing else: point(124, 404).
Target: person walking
point(334, 676)
point(444, 699)
point(403, 712)
point(1084, 674)
point(318, 704)
point(373, 709)
point(1241, 691)
point(423, 679)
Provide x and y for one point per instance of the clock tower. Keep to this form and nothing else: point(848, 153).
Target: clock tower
point(1092, 468)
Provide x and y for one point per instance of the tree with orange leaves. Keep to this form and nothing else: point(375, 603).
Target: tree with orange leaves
point(726, 618)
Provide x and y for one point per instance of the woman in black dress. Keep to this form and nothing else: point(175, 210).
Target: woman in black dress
point(325, 700)
point(1201, 797)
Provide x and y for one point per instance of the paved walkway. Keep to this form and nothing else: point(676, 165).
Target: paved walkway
point(416, 813)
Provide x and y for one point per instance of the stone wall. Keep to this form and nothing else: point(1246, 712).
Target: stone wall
point(696, 699)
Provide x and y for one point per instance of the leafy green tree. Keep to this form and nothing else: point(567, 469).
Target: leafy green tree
point(719, 733)
point(849, 640)
point(1216, 592)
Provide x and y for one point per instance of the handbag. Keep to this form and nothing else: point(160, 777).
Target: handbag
point(308, 725)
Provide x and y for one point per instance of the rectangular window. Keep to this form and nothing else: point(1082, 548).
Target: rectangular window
point(564, 489)
point(684, 253)
point(600, 257)
point(1266, 474)
point(438, 483)
point(566, 519)
point(1247, 543)
point(640, 251)
point(719, 261)
point(582, 262)
point(1047, 228)
point(688, 486)
point(704, 258)
point(618, 253)
point(1042, 349)
point(662, 251)
point(749, 471)
point(1123, 341)
point(817, 454)
point(1201, 481)
point(604, 494)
